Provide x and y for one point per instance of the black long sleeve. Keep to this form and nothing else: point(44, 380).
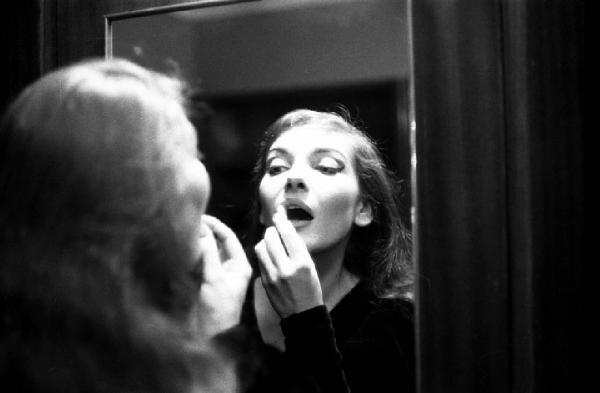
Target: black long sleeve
point(312, 353)
point(363, 345)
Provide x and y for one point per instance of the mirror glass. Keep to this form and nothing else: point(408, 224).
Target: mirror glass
point(251, 61)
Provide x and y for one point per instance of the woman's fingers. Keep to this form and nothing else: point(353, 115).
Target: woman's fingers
point(292, 242)
point(275, 248)
point(211, 260)
point(225, 272)
point(289, 278)
point(229, 241)
point(265, 265)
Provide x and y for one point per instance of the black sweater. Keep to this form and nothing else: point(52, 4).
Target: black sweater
point(365, 344)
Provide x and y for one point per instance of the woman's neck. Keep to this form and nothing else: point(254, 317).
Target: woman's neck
point(336, 281)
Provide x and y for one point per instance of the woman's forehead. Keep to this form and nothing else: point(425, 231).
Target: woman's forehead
point(310, 137)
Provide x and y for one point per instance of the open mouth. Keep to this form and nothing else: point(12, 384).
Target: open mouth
point(298, 213)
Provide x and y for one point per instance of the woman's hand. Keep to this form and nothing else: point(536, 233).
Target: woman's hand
point(288, 272)
point(226, 273)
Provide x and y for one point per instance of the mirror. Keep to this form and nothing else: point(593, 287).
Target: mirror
point(251, 61)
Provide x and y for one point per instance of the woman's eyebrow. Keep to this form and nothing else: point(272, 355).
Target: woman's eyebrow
point(277, 151)
point(324, 150)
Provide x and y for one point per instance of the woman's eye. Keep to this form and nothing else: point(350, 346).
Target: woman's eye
point(329, 166)
point(327, 170)
point(275, 170)
point(276, 167)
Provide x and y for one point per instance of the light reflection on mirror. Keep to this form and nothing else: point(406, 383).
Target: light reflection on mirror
point(253, 61)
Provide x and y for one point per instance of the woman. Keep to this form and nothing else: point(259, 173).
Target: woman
point(111, 277)
point(332, 305)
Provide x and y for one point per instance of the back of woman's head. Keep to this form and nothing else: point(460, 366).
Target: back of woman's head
point(90, 250)
point(90, 161)
point(90, 144)
point(379, 253)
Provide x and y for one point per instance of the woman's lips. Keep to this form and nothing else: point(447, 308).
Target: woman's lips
point(297, 210)
point(298, 214)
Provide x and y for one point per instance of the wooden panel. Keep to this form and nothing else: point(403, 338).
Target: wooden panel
point(461, 181)
point(544, 64)
point(500, 206)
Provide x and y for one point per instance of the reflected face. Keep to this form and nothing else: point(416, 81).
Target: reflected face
point(310, 172)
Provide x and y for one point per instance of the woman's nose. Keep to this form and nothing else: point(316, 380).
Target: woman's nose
point(295, 184)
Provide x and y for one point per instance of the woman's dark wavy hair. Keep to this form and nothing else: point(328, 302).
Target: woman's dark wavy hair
point(380, 253)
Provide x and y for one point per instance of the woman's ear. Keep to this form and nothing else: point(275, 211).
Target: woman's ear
point(364, 214)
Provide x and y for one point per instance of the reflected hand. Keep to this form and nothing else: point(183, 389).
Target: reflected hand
point(226, 273)
point(287, 270)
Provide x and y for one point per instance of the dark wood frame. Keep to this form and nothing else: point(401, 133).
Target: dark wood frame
point(499, 115)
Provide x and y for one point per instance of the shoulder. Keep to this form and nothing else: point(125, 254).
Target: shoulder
point(400, 308)
point(363, 316)
point(362, 301)
point(379, 351)
point(394, 316)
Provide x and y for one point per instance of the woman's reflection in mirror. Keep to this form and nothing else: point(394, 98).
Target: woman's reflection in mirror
point(331, 300)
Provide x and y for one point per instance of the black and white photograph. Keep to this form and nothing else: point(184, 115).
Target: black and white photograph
point(292, 196)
